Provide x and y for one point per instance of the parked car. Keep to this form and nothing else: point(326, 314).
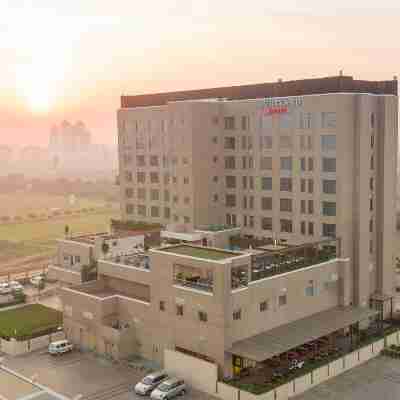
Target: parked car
point(150, 382)
point(5, 288)
point(168, 389)
point(60, 347)
point(36, 280)
point(16, 286)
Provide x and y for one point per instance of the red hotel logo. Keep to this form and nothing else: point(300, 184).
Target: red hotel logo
point(275, 110)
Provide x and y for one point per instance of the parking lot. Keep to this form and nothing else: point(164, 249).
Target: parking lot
point(83, 374)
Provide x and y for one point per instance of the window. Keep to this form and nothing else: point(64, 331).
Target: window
point(155, 211)
point(286, 163)
point(167, 212)
point(303, 206)
point(371, 225)
point(229, 143)
point(371, 246)
point(129, 208)
point(230, 200)
point(311, 206)
point(310, 164)
point(266, 183)
point(166, 195)
point(266, 223)
point(215, 139)
point(245, 123)
point(251, 182)
point(372, 162)
point(282, 300)
point(244, 162)
point(303, 185)
point(154, 161)
point(264, 306)
point(329, 230)
point(266, 142)
point(372, 120)
point(251, 202)
point(203, 316)
point(303, 164)
point(329, 186)
point(309, 142)
point(185, 161)
point(371, 204)
point(329, 208)
point(285, 142)
point(251, 221)
point(266, 163)
point(141, 210)
point(129, 193)
point(186, 200)
point(286, 205)
point(371, 183)
point(284, 121)
point(185, 180)
point(310, 290)
point(141, 193)
point(303, 227)
point(244, 182)
point(230, 162)
point(328, 120)
point(140, 161)
point(266, 203)
point(305, 120)
point(162, 305)
point(215, 198)
point(328, 164)
point(311, 228)
point(215, 120)
point(154, 177)
point(286, 225)
point(141, 177)
point(179, 309)
point(186, 219)
point(229, 123)
point(237, 315)
point(215, 179)
point(154, 194)
point(128, 176)
point(230, 182)
point(175, 199)
point(310, 186)
point(286, 184)
point(328, 143)
point(372, 141)
point(215, 159)
point(166, 179)
point(251, 162)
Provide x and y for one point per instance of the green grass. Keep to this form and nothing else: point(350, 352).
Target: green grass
point(28, 321)
point(207, 254)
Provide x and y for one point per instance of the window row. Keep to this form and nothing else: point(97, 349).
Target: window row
point(153, 177)
point(154, 211)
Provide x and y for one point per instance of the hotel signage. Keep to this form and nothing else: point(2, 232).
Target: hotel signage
point(279, 105)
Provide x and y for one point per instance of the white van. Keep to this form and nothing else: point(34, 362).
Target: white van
point(60, 347)
point(5, 288)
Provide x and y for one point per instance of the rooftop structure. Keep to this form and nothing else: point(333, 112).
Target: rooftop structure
point(200, 252)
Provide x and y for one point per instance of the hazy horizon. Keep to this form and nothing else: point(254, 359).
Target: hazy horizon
point(73, 60)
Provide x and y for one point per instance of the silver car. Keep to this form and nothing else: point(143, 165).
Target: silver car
point(168, 389)
point(150, 382)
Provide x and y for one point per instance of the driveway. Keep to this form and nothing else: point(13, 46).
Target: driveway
point(83, 374)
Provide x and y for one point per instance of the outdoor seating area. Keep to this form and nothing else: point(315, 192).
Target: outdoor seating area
point(137, 258)
point(239, 277)
point(270, 262)
point(194, 278)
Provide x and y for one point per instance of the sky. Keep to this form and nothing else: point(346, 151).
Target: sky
point(73, 59)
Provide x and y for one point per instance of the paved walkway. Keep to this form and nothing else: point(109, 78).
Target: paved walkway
point(378, 379)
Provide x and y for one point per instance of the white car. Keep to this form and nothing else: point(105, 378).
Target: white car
point(60, 347)
point(16, 286)
point(36, 280)
point(5, 288)
point(150, 382)
point(168, 389)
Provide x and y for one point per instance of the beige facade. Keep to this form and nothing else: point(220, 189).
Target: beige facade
point(297, 168)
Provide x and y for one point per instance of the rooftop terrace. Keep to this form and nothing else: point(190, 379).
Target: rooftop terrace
point(200, 252)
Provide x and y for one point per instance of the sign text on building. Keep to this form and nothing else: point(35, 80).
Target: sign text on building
point(280, 105)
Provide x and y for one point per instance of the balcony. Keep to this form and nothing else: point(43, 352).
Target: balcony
point(277, 260)
point(194, 278)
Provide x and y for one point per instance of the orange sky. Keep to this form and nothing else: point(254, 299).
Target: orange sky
point(72, 60)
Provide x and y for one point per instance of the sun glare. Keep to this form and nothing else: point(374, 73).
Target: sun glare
point(39, 102)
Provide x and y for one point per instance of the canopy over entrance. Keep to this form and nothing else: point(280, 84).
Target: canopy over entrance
point(286, 337)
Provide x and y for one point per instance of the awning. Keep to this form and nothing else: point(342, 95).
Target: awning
point(285, 337)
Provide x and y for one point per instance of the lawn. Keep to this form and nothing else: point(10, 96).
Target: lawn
point(198, 252)
point(28, 321)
